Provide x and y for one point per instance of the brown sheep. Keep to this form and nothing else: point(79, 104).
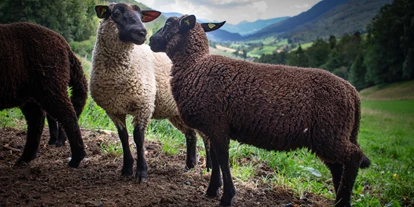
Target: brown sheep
point(273, 107)
point(37, 65)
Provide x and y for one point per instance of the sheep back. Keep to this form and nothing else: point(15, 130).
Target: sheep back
point(23, 45)
point(273, 107)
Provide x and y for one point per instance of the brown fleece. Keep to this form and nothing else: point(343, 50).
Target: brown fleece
point(273, 107)
point(37, 66)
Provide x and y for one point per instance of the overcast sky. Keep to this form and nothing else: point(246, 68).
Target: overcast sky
point(232, 11)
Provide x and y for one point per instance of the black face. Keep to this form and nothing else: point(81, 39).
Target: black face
point(129, 24)
point(129, 20)
point(160, 40)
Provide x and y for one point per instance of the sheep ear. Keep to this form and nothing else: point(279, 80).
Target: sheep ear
point(187, 23)
point(208, 27)
point(149, 15)
point(102, 11)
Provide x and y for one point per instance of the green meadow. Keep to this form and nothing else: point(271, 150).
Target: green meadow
point(386, 136)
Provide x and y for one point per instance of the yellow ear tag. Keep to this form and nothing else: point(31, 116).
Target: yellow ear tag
point(187, 22)
point(211, 25)
point(103, 11)
point(143, 18)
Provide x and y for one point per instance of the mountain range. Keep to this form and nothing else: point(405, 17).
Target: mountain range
point(327, 17)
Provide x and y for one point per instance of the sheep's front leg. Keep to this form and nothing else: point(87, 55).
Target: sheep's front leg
point(142, 168)
point(120, 123)
point(128, 159)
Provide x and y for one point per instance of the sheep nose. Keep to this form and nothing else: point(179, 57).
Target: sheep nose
point(142, 32)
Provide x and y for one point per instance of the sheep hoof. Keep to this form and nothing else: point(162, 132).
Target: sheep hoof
point(74, 163)
point(20, 163)
point(212, 193)
point(226, 202)
point(77, 158)
point(52, 142)
point(60, 144)
point(141, 177)
point(126, 171)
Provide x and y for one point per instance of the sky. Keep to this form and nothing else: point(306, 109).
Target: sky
point(232, 11)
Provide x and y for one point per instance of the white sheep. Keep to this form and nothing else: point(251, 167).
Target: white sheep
point(128, 78)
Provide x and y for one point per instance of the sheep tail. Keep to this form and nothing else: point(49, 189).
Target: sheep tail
point(366, 162)
point(78, 83)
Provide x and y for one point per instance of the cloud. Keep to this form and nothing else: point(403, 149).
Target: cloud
point(233, 11)
point(303, 6)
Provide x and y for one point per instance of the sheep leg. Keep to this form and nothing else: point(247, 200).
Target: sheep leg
point(191, 142)
point(336, 171)
point(208, 153)
point(215, 179)
point(128, 159)
point(142, 168)
point(53, 130)
point(120, 124)
point(61, 136)
point(63, 111)
point(35, 118)
point(352, 162)
point(222, 155)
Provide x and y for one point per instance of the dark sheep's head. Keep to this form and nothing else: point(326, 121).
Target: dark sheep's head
point(129, 20)
point(176, 27)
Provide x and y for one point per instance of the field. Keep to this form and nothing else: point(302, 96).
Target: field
point(262, 178)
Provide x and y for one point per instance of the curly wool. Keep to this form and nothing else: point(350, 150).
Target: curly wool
point(37, 67)
point(130, 79)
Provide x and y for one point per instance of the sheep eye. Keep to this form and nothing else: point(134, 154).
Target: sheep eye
point(116, 13)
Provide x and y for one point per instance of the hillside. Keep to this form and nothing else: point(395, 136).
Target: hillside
point(393, 91)
point(245, 28)
point(328, 17)
point(304, 17)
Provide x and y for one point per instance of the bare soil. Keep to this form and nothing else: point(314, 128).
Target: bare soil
point(47, 180)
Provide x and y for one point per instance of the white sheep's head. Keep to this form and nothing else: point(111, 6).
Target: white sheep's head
point(175, 28)
point(128, 19)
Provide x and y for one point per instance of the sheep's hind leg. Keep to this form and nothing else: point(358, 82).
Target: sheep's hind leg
point(215, 179)
point(53, 130)
point(351, 165)
point(62, 110)
point(57, 135)
point(222, 155)
point(142, 168)
point(61, 136)
point(35, 118)
point(336, 171)
point(191, 141)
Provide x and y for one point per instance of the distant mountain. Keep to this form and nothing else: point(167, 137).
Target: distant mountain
point(221, 35)
point(327, 17)
point(245, 28)
point(171, 14)
point(316, 11)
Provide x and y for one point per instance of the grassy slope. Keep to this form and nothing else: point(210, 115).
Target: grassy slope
point(386, 133)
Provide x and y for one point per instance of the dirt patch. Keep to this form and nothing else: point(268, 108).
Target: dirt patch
point(47, 181)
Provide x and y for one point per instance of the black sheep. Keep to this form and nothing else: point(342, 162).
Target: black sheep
point(273, 107)
point(36, 67)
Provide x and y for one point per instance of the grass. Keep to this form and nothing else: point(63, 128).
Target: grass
point(386, 136)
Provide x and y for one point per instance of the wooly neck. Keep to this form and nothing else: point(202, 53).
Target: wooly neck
point(108, 40)
point(189, 48)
